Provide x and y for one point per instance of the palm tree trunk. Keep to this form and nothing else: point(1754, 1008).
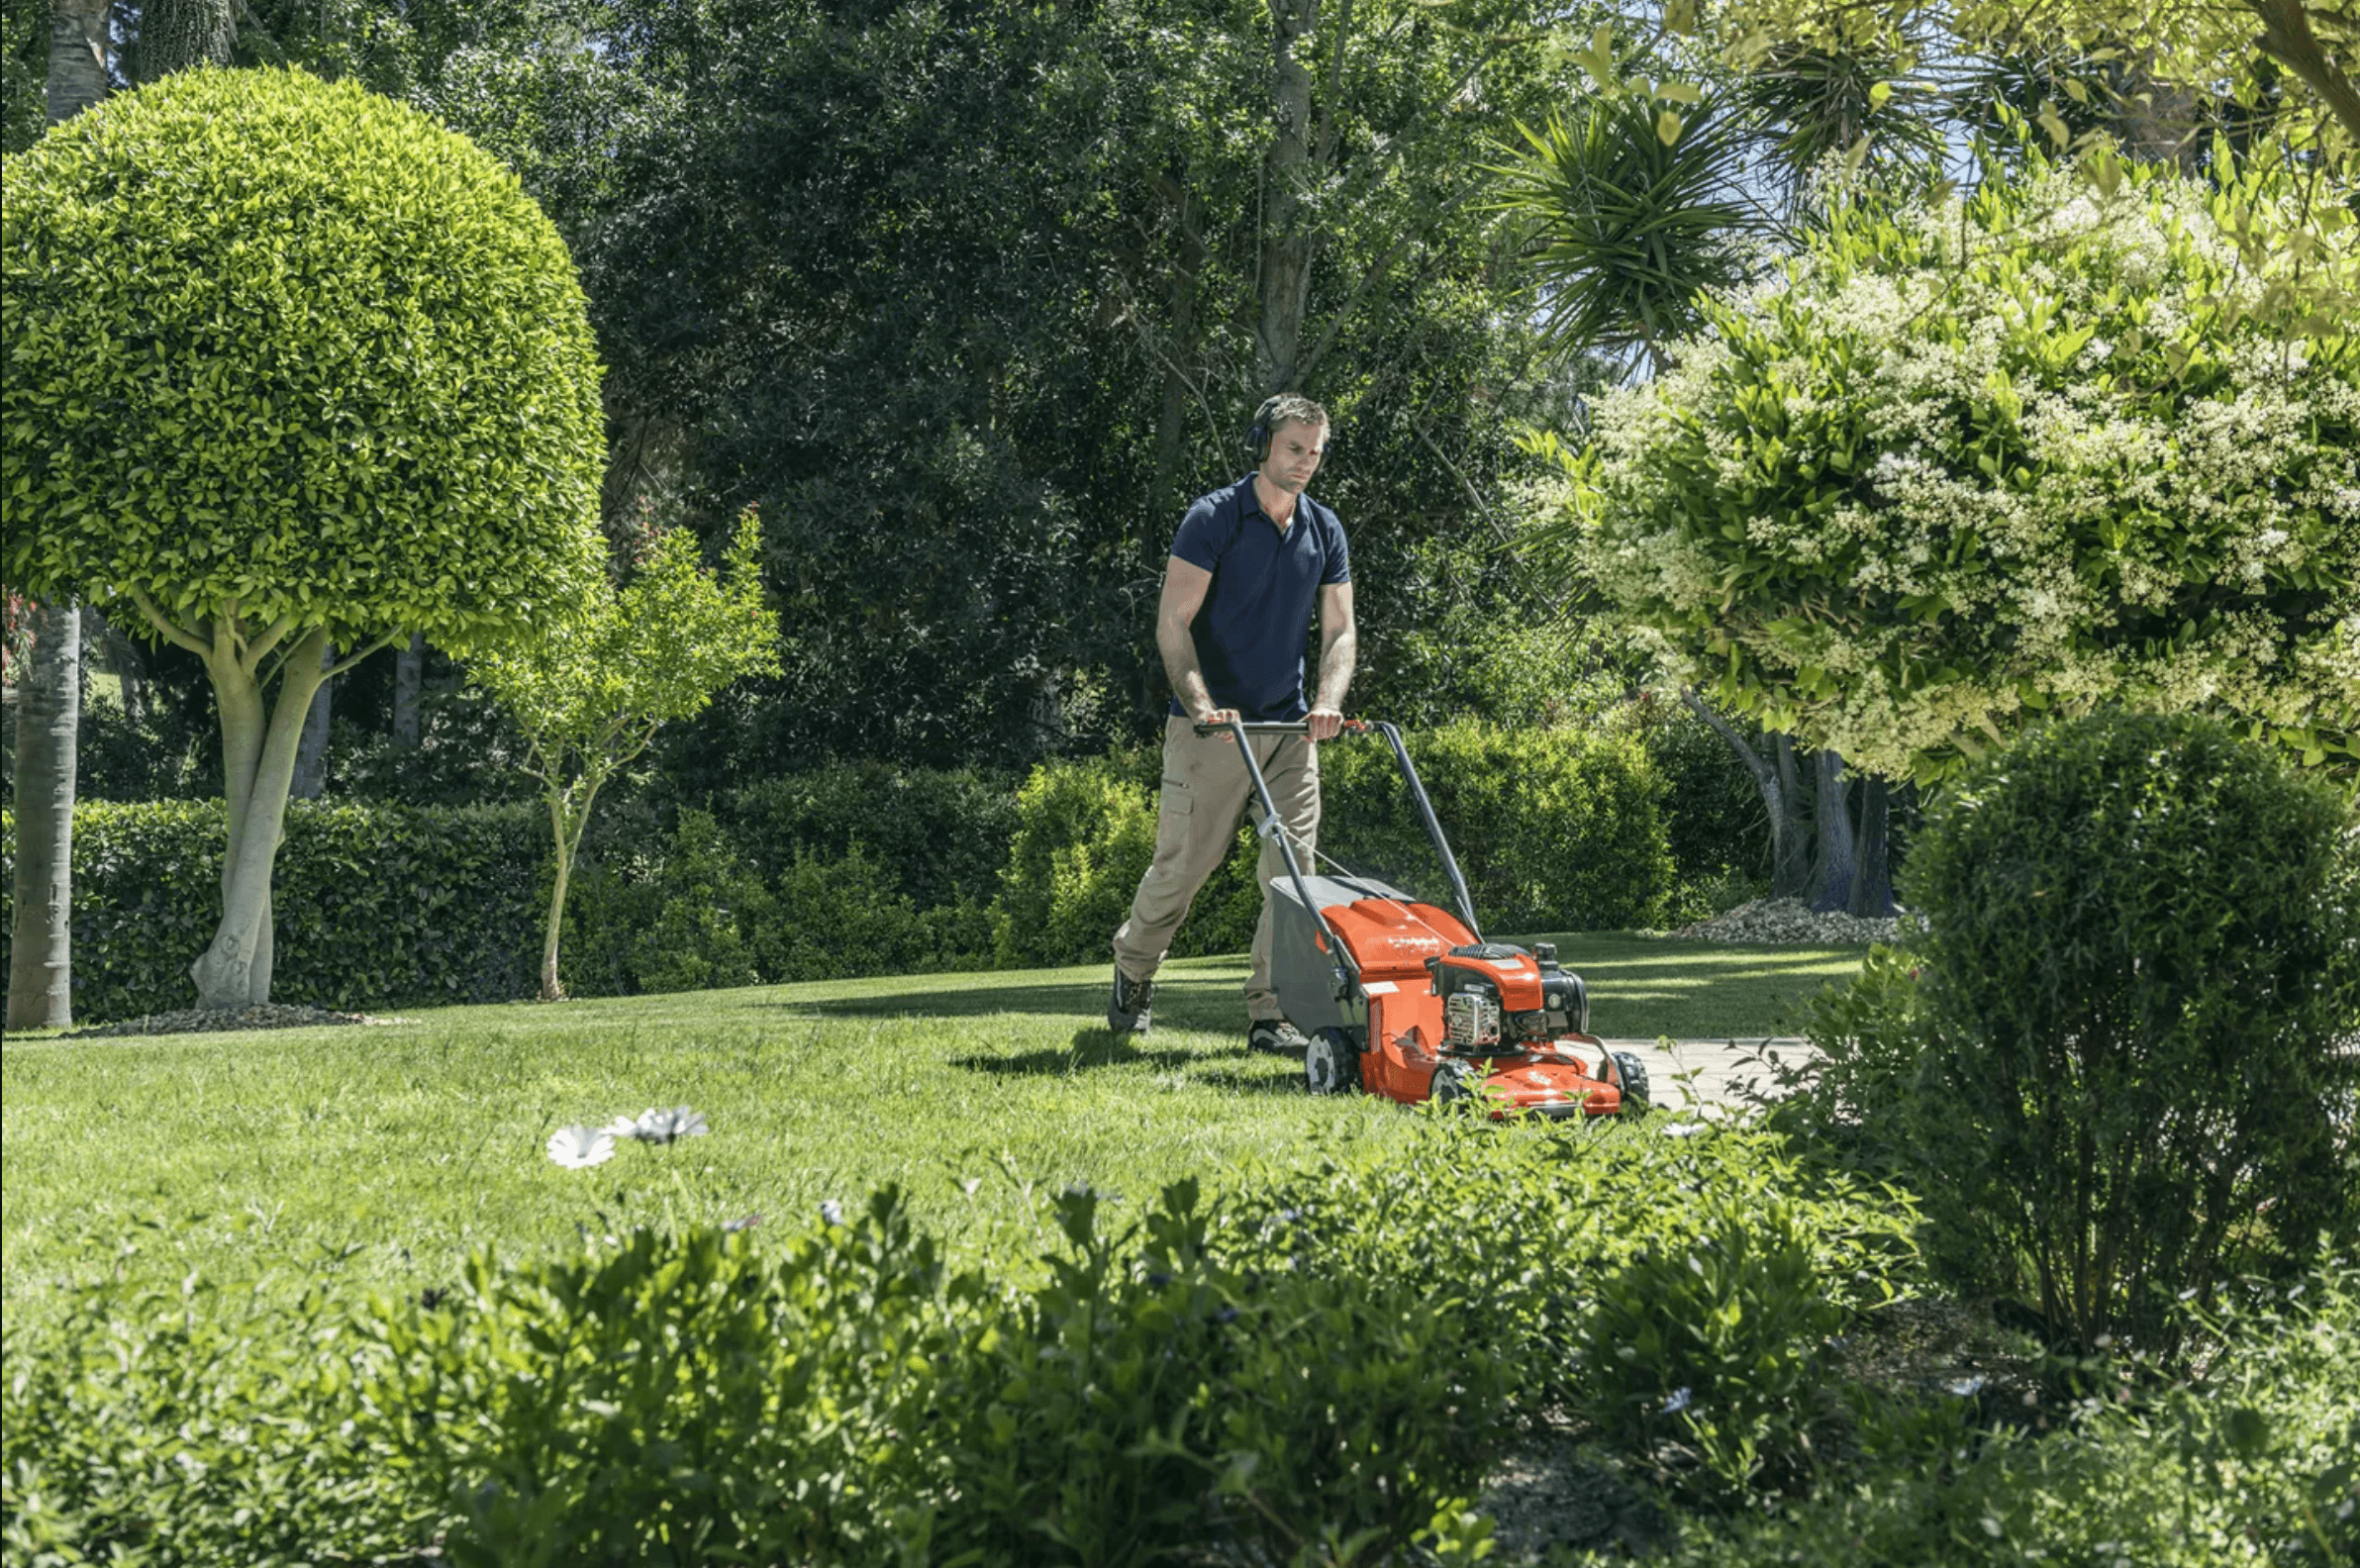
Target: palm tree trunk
point(77, 56)
point(1790, 829)
point(49, 718)
point(49, 696)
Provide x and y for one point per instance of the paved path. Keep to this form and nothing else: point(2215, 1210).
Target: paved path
point(1710, 1071)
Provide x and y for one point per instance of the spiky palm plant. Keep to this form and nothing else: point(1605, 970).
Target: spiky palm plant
point(1631, 209)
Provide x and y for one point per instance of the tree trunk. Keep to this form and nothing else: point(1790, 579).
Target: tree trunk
point(175, 35)
point(49, 717)
point(1872, 882)
point(311, 752)
point(1289, 235)
point(77, 56)
point(122, 656)
point(258, 744)
point(1831, 814)
point(1790, 829)
point(1171, 425)
point(409, 674)
point(50, 690)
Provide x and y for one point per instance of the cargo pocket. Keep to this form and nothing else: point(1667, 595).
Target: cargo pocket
point(1175, 799)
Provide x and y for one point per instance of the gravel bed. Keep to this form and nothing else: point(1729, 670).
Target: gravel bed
point(205, 1020)
point(1790, 921)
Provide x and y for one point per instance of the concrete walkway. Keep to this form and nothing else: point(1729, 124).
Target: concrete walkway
point(1700, 1072)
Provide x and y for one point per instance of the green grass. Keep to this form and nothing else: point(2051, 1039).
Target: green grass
point(383, 1154)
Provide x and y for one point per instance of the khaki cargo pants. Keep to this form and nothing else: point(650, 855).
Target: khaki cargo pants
point(1204, 789)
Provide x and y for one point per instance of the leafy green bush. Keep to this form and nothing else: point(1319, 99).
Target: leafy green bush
point(195, 1427)
point(374, 906)
point(2140, 979)
point(1719, 1344)
point(677, 914)
point(1715, 822)
point(2250, 1463)
point(837, 916)
point(675, 1399)
point(1554, 830)
point(1084, 837)
point(943, 835)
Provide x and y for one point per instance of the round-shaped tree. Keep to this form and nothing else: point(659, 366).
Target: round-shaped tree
point(1970, 460)
point(289, 367)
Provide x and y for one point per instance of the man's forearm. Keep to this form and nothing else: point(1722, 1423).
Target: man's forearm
point(1336, 658)
point(1180, 667)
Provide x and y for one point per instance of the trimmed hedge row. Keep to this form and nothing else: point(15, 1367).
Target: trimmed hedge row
point(846, 870)
point(373, 905)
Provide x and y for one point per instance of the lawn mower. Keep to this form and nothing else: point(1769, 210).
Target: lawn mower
point(1402, 999)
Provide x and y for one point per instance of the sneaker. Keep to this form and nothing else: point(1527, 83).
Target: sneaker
point(1277, 1036)
point(1128, 1004)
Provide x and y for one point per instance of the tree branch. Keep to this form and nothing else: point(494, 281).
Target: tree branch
point(171, 631)
point(378, 646)
point(1752, 759)
point(2287, 38)
point(1368, 280)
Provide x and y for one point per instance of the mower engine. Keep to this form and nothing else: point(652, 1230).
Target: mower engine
point(1495, 999)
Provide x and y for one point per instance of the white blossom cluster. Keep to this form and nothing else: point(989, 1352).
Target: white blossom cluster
point(2018, 452)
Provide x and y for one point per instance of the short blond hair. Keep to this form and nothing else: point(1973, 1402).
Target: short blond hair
point(1289, 408)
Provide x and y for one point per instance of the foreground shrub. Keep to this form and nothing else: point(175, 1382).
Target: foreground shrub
point(2140, 981)
point(1719, 1344)
point(1317, 1368)
point(196, 1426)
point(2253, 1463)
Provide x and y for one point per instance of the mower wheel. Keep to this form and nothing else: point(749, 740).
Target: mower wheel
point(1456, 1085)
point(1630, 1076)
point(1330, 1063)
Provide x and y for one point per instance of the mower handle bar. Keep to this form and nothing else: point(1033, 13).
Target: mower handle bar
point(1286, 848)
point(1282, 726)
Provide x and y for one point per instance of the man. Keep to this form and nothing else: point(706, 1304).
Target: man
point(1247, 565)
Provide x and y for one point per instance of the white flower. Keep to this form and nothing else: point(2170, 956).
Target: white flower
point(832, 1212)
point(663, 1127)
point(1967, 1388)
point(576, 1146)
point(1679, 1401)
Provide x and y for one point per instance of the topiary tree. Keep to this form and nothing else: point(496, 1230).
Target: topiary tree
point(1970, 460)
point(289, 367)
point(2141, 986)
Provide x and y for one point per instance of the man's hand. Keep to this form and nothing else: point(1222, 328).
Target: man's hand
point(1325, 722)
point(1220, 716)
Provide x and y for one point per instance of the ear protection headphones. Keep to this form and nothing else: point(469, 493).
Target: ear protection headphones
point(1257, 440)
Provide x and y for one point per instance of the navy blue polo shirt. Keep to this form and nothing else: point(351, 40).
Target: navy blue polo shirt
point(1256, 615)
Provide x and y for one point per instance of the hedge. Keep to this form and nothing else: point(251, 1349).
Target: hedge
point(374, 906)
point(1554, 830)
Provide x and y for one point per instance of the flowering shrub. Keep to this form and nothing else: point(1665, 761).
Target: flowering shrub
point(1976, 459)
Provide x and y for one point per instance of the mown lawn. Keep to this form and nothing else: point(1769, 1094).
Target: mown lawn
point(383, 1154)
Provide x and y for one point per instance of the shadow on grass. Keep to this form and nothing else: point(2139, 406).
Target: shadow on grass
point(959, 996)
point(1091, 1048)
